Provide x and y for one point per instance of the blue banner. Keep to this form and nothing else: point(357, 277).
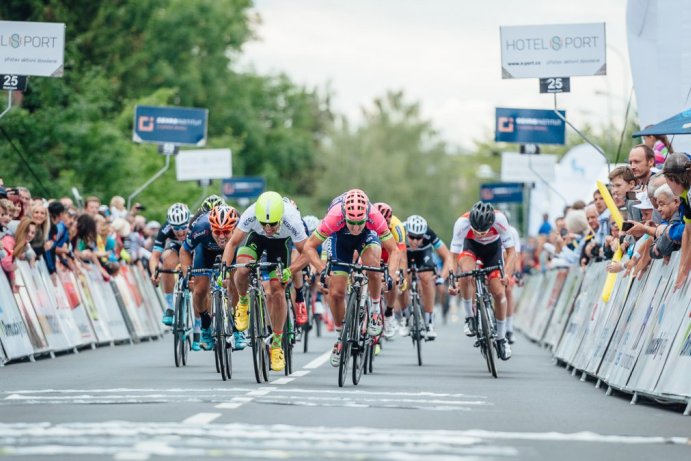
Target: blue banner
point(170, 125)
point(502, 192)
point(529, 126)
point(243, 187)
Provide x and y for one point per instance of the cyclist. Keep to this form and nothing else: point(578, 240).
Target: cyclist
point(397, 229)
point(207, 205)
point(478, 236)
point(352, 225)
point(167, 246)
point(422, 242)
point(516, 274)
point(300, 306)
point(207, 238)
point(266, 226)
point(311, 223)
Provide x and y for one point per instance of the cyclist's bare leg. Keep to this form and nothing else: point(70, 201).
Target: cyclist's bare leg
point(169, 259)
point(232, 291)
point(337, 289)
point(498, 291)
point(242, 276)
point(371, 256)
point(465, 264)
point(200, 294)
point(276, 302)
point(428, 290)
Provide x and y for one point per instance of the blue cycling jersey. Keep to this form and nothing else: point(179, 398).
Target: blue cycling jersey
point(200, 236)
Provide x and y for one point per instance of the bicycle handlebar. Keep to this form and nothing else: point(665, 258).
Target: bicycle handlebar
point(384, 269)
point(476, 273)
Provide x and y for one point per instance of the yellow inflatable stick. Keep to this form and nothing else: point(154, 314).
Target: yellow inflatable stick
point(616, 215)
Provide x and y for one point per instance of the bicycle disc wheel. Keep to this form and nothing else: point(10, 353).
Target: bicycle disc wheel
point(347, 335)
point(361, 346)
point(487, 338)
point(256, 338)
point(417, 330)
point(177, 331)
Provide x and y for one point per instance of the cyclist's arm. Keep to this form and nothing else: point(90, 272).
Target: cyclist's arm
point(445, 255)
point(309, 254)
point(229, 251)
point(394, 254)
point(510, 260)
point(153, 262)
point(300, 262)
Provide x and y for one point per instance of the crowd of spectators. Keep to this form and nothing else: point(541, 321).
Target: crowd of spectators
point(654, 203)
point(67, 236)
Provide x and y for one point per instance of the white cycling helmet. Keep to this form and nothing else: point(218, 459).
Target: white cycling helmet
point(178, 214)
point(416, 225)
point(312, 223)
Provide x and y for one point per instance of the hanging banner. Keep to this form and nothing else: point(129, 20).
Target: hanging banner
point(170, 125)
point(32, 48)
point(13, 333)
point(529, 126)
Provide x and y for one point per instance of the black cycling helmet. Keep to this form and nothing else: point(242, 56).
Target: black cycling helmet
point(482, 216)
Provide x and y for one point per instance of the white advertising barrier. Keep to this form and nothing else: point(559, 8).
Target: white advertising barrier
point(151, 299)
point(602, 326)
point(577, 326)
point(553, 50)
point(193, 165)
point(553, 290)
point(100, 293)
point(48, 319)
point(33, 326)
point(537, 310)
point(135, 324)
point(562, 310)
point(133, 302)
point(676, 375)
point(65, 296)
point(529, 302)
point(13, 333)
point(145, 306)
point(664, 327)
point(636, 328)
point(72, 292)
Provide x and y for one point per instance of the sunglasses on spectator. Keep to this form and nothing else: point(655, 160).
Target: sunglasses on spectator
point(221, 232)
point(179, 228)
point(270, 225)
point(356, 223)
point(415, 237)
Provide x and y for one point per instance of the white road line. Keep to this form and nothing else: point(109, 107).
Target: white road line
point(299, 373)
point(201, 418)
point(228, 405)
point(284, 380)
point(260, 392)
point(319, 361)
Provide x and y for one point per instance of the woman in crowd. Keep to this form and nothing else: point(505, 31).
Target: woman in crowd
point(26, 231)
point(39, 215)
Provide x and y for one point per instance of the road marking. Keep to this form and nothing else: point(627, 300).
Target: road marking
point(299, 373)
point(260, 392)
point(284, 380)
point(202, 418)
point(319, 361)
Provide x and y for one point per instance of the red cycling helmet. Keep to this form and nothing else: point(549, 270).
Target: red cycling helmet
point(355, 205)
point(223, 218)
point(385, 210)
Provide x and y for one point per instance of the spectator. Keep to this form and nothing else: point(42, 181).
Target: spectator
point(39, 215)
point(117, 207)
point(612, 241)
point(642, 163)
point(546, 227)
point(603, 216)
point(105, 243)
point(669, 233)
point(59, 236)
point(92, 205)
point(677, 171)
point(560, 226)
point(660, 145)
point(26, 231)
point(622, 181)
point(67, 202)
point(6, 240)
point(152, 228)
point(122, 230)
point(591, 247)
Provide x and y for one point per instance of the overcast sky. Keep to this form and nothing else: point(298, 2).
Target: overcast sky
point(443, 53)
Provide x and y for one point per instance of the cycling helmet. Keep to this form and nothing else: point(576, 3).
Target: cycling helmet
point(269, 207)
point(416, 225)
point(312, 222)
point(482, 216)
point(212, 201)
point(223, 217)
point(385, 210)
point(178, 214)
point(355, 205)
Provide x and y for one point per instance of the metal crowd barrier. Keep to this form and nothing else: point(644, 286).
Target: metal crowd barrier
point(77, 310)
point(638, 342)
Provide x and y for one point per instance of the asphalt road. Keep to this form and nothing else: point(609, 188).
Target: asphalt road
point(129, 402)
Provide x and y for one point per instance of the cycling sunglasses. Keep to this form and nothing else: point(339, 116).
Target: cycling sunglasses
point(222, 232)
point(270, 225)
point(415, 237)
point(356, 223)
point(179, 228)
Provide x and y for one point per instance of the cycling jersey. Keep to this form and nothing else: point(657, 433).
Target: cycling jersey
point(516, 239)
point(463, 231)
point(165, 234)
point(291, 224)
point(429, 241)
point(335, 220)
point(398, 231)
point(200, 236)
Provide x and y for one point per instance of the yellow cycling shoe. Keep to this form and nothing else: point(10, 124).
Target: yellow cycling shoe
point(242, 315)
point(278, 361)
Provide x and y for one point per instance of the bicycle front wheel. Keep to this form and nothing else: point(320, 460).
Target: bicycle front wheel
point(287, 342)
point(219, 334)
point(417, 329)
point(256, 337)
point(308, 326)
point(178, 332)
point(347, 335)
point(360, 347)
point(486, 332)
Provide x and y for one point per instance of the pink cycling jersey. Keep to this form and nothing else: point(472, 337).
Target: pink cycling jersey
point(335, 221)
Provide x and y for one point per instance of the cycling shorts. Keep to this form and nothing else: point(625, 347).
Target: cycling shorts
point(342, 246)
point(488, 255)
